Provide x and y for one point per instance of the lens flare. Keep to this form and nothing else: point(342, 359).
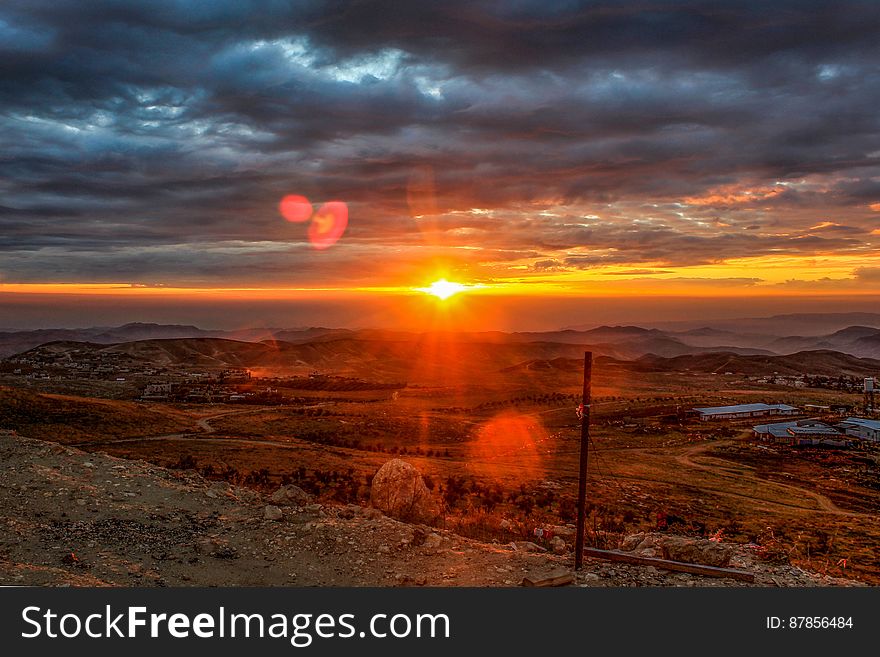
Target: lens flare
point(510, 441)
point(328, 224)
point(295, 208)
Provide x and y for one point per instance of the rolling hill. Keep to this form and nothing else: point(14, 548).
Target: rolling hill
point(426, 358)
point(397, 351)
point(438, 358)
point(862, 341)
point(819, 362)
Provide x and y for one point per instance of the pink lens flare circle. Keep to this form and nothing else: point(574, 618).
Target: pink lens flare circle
point(328, 224)
point(295, 208)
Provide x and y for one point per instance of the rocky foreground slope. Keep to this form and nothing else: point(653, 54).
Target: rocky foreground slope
point(72, 518)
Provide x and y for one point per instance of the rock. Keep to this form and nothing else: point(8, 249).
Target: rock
point(558, 545)
point(644, 545)
point(225, 552)
point(554, 577)
point(631, 542)
point(399, 491)
point(564, 531)
point(290, 496)
point(506, 524)
point(371, 514)
point(216, 548)
point(247, 495)
point(527, 546)
point(418, 537)
point(699, 551)
point(272, 512)
point(433, 541)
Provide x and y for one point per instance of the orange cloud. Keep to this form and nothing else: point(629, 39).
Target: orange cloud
point(734, 194)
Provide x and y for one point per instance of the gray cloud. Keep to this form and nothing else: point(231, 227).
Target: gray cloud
point(147, 140)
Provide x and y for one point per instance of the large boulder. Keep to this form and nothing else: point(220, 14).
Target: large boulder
point(698, 551)
point(400, 492)
point(678, 548)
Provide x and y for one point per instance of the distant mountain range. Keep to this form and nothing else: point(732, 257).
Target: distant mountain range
point(704, 348)
point(811, 324)
point(13, 342)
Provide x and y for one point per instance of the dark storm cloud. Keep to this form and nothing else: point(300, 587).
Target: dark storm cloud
point(154, 139)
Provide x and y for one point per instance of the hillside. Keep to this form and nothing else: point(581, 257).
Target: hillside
point(821, 362)
point(14, 342)
point(426, 358)
point(93, 520)
point(69, 419)
point(410, 357)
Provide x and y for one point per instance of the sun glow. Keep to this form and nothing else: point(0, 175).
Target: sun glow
point(443, 289)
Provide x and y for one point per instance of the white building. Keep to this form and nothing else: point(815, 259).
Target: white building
point(744, 411)
point(860, 427)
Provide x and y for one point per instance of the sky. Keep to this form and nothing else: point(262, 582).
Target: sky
point(566, 160)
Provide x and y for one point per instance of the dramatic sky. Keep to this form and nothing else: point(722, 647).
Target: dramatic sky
point(596, 150)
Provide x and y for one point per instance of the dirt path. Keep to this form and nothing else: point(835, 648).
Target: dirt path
point(205, 428)
point(719, 469)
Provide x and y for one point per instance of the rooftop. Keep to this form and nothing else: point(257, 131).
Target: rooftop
point(777, 430)
point(744, 408)
point(814, 430)
point(863, 422)
point(795, 428)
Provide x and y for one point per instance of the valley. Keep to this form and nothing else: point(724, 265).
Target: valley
point(490, 425)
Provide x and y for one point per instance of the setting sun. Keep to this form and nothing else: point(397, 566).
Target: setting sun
point(443, 289)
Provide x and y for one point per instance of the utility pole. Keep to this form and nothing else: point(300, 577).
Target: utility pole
point(585, 443)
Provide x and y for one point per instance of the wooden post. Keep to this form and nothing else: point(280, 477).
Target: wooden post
point(585, 443)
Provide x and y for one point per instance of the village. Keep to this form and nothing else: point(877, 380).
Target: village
point(831, 425)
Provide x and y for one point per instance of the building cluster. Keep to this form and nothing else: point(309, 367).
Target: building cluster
point(207, 393)
point(798, 432)
point(80, 364)
point(84, 364)
point(801, 433)
point(842, 383)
